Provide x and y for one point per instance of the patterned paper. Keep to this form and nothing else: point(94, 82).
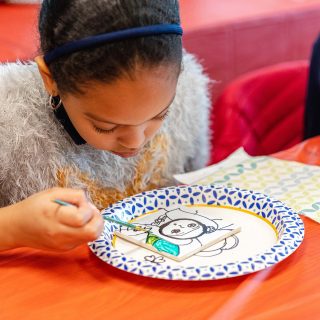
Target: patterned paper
point(296, 184)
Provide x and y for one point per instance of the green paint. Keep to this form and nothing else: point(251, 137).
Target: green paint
point(162, 245)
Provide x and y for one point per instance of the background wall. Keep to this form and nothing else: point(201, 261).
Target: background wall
point(236, 36)
point(229, 37)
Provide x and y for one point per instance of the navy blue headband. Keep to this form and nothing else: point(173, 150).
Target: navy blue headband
point(93, 41)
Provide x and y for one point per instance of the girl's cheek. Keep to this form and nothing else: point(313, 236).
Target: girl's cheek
point(153, 129)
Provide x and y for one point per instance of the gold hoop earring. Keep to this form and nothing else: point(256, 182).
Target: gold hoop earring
point(55, 102)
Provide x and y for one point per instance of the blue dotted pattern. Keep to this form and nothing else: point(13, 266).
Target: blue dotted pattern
point(288, 224)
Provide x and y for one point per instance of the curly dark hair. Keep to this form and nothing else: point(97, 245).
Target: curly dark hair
point(62, 21)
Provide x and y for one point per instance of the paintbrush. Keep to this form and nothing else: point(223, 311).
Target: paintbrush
point(120, 222)
point(125, 224)
point(153, 242)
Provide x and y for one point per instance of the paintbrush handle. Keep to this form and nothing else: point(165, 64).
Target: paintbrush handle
point(62, 203)
point(125, 224)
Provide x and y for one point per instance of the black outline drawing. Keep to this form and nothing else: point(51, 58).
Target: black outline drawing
point(185, 231)
point(156, 260)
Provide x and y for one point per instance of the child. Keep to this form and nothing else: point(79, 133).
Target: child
point(112, 107)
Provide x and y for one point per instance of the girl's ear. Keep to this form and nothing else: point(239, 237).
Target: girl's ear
point(48, 81)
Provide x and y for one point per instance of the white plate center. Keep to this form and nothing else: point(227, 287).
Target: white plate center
point(257, 236)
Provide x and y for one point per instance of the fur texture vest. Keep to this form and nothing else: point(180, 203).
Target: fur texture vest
point(36, 153)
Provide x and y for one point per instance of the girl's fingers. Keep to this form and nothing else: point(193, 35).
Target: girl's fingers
point(88, 231)
point(79, 213)
point(66, 237)
point(93, 229)
point(79, 223)
point(73, 216)
point(73, 196)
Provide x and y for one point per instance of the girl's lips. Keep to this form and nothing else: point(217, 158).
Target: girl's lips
point(127, 154)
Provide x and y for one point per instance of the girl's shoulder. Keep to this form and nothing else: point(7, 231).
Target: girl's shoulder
point(193, 90)
point(24, 116)
point(17, 72)
point(22, 93)
point(192, 65)
point(188, 121)
point(18, 81)
point(192, 98)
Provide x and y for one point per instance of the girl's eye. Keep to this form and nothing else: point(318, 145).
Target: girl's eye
point(101, 131)
point(163, 116)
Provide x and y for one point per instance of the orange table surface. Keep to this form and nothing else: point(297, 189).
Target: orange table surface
point(77, 285)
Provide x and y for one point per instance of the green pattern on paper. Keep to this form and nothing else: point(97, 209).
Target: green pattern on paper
point(296, 184)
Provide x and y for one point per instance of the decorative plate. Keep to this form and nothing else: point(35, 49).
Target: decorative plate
point(270, 232)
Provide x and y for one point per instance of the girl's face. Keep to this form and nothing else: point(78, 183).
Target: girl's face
point(123, 116)
point(120, 117)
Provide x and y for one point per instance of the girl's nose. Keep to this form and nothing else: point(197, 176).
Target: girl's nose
point(133, 137)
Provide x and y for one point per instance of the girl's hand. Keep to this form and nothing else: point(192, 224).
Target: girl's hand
point(38, 222)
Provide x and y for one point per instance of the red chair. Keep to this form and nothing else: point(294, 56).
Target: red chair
point(261, 111)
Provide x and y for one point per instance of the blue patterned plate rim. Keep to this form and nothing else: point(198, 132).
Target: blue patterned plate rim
point(288, 224)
